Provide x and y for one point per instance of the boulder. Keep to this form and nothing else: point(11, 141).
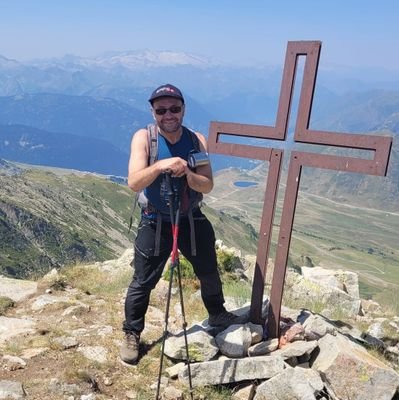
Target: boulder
point(201, 345)
point(16, 289)
point(346, 281)
point(234, 341)
point(291, 384)
point(232, 370)
point(11, 390)
point(10, 327)
point(323, 286)
point(352, 372)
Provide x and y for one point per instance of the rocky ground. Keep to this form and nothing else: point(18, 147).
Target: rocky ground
point(61, 340)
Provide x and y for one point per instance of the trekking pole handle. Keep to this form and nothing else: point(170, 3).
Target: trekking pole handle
point(168, 184)
point(170, 194)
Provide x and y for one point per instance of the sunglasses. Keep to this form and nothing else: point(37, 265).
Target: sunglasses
point(173, 110)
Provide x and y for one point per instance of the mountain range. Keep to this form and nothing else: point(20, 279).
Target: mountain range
point(85, 116)
point(80, 113)
point(57, 149)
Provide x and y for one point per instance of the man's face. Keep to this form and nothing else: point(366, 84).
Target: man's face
point(168, 112)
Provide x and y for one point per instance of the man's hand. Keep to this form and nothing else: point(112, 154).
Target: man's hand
point(175, 166)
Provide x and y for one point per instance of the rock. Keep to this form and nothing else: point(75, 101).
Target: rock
point(11, 390)
point(31, 353)
point(232, 370)
point(114, 267)
point(234, 341)
point(290, 313)
point(392, 353)
point(335, 289)
point(376, 329)
point(249, 263)
point(66, 342)
point(108, 381)
point(370, 307)
point(78, 309)
point(352, 331)
point(219, 244)
point(352, 372)
point(244, 393)
point(256, 332)
point(90, 396)
point(10, 327)
point(106, 330)
point(375, 333)
point(373, 341)
point(316, 326)
point(201, 345)
point(55, 386)
point(12, 363)
point(80, 332)
point(95, 353)
point(174, 370)
point(46, 299)
point(16, 289)
point(163, 384)
point(343, 280)
point(171, 393)
point(291, 333)
point(322, 276)
point(131, 395)
point(51, 277)
point(292, 384)
point(394, 325)
point(296, 349)
point(263, 348)
point(155, 316)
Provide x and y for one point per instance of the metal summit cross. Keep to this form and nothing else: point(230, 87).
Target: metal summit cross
point(379, 145)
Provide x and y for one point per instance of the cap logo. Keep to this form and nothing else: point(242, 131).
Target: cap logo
point(165, 89)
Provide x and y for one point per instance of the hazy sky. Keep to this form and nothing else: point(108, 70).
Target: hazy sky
point(353, 32)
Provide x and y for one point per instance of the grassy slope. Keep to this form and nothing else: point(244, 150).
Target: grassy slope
point(52, 217)
point(59, 218)
point(332, 234)
point(75, 211)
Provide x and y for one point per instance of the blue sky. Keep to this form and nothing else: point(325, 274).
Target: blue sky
point(354, 33)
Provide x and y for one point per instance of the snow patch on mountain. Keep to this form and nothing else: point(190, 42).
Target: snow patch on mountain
point(128, 59)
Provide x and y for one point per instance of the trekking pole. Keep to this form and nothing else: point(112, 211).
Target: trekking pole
point(184, 327)
point(174, 264)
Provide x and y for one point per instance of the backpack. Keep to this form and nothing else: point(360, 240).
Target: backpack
point(195, 198)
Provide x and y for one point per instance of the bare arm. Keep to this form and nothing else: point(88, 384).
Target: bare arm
point(140, 174)
point(201, 180)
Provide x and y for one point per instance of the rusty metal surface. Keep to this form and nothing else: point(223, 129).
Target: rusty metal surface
point(265, 235)
point(379, 145)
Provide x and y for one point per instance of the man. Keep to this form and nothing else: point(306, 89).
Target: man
point(154, 239)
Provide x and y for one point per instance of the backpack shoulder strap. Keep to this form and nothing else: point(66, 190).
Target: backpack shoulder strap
point(195, 197)
point(152, 135)
point(194, 139)
point(152, 131)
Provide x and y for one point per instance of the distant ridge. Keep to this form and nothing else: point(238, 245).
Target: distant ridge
point(35, 146)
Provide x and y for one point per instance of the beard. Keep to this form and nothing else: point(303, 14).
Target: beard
point(172, 126)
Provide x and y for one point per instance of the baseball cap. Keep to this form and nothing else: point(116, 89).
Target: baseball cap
point(167, 90)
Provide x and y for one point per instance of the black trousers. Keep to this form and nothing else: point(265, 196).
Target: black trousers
point(148, 268)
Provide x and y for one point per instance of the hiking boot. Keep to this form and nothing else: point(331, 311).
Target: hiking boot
point(225, 319)
point(129, 351)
